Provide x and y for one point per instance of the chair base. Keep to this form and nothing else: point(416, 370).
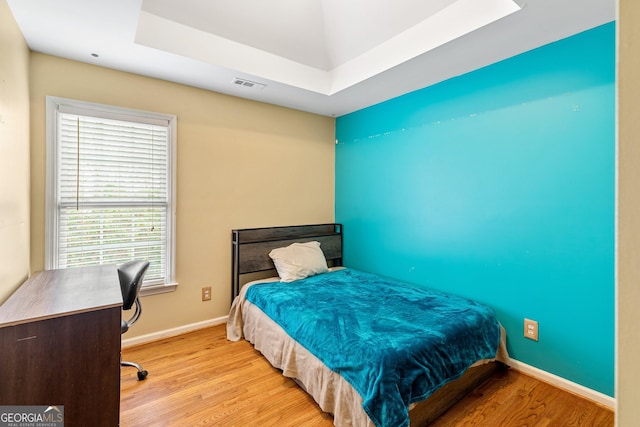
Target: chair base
point(142, 374)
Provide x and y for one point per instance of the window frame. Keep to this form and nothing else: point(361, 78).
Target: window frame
point(53, 106)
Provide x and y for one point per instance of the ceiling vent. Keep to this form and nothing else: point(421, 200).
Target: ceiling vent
point(248, 83)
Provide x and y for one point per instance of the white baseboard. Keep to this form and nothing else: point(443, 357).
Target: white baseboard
point(143, 339)
point(534, 372)
point(564, 384)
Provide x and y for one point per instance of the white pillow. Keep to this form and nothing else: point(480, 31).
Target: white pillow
point(299, 260)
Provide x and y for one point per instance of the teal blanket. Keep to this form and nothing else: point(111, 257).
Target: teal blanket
point(393, 342)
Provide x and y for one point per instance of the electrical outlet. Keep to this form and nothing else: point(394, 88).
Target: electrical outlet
point(206, 293)
point(531, 329)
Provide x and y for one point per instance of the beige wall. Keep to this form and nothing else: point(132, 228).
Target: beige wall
point(628, 291)
point(14, 155)
point(240, 164)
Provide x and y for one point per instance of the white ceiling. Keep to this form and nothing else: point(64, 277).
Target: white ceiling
point(329, 57)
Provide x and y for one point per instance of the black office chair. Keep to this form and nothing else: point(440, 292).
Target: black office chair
point(131, 275)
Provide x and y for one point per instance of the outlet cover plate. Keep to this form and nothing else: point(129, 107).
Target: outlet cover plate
point(531, 329)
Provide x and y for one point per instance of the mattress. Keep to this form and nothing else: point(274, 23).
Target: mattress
point(335, 393)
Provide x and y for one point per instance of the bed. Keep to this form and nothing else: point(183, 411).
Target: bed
point(370, 350)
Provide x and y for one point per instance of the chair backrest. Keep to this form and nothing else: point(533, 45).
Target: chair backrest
point(131, 274)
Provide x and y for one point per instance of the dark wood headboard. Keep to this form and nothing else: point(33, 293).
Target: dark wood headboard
point(251, 247)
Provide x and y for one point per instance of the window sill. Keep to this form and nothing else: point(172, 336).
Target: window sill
point(157, 289)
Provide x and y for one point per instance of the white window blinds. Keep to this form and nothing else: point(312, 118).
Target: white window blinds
point(113, 196)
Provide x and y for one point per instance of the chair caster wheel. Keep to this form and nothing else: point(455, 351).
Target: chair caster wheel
point(142, 375)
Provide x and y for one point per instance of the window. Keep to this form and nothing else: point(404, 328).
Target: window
point(110, 188)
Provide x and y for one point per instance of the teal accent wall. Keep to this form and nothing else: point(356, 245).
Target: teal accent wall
point(499, 185)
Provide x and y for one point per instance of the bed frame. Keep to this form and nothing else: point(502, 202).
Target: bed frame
point(250, 254)
point(251, 247)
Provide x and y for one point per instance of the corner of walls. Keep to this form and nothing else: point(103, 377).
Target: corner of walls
point(14, 155)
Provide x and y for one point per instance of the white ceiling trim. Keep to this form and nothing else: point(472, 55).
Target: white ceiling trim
point(170, 36)
point(457, 19)
point(454, 21)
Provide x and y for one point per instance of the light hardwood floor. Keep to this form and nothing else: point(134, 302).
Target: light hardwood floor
point(201, 379)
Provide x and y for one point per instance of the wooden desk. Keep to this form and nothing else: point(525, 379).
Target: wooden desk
point(60, 344)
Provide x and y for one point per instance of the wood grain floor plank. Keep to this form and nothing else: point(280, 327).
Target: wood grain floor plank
point(202, 379)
